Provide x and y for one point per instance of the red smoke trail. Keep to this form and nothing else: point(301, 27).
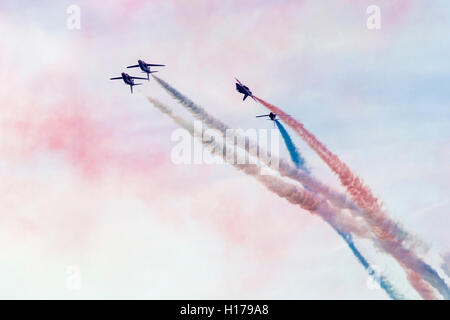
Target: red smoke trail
point(383, 228)
point(360, 193)
point(423, 288)
point(378, 226)
point(314, 203)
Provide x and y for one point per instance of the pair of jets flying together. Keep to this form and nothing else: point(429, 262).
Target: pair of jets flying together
point(145, 68)
point(246, 92)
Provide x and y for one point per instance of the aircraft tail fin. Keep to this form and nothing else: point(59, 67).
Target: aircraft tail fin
point(136, 84)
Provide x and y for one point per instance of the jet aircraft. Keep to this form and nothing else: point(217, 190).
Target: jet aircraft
point(272, 116)
point(243, 89)
point(129, 80)
point(145, 67)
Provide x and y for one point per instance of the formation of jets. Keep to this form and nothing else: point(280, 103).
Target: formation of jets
point(145, 67)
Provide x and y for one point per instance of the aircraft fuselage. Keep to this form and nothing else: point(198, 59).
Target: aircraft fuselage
point(144, 66)
point(243, 89)
point(127, 79)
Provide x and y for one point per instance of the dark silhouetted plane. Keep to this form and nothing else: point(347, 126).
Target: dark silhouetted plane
point(272, 116)
point(129, 80)
point(243, 89)
point(145, 67)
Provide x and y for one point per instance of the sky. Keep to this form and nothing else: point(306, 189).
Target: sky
point(87, 180)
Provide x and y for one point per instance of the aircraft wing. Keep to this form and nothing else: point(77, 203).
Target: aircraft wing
point(138, 78)
point(264, 115)
point(135, 66)
point(245, 97)
point(155, 65)
point(117, 78)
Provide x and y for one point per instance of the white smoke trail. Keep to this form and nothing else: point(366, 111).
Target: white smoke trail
point(402, 252)
point(285, 168)
point(307, 200)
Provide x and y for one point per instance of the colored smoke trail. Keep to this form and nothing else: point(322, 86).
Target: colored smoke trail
point(338, 199)
point(360, 193)
point(425, 291)
point(293, 151)
point(300, 163)
point(285, 169)
point(381, 279)
point(289, 191)
point(293, 194)
point(389, 233)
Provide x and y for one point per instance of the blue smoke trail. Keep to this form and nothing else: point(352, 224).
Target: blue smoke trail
point(298, 160)
point(382, 281)
point(293, 151)
point(300, 164)
point(430, 275)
